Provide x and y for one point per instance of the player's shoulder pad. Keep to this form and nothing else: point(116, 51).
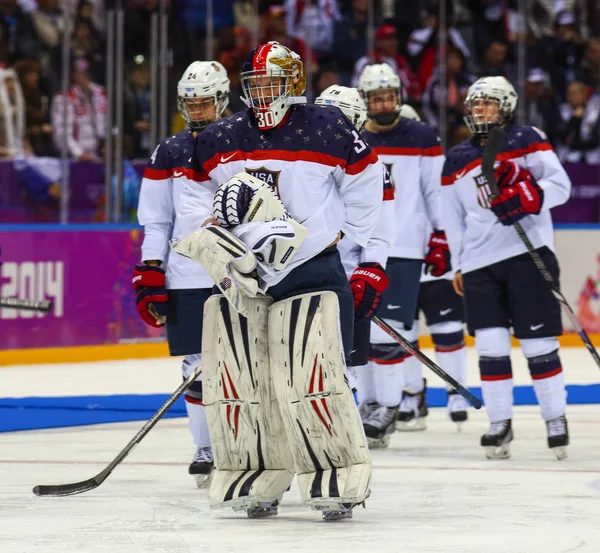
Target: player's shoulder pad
point(459, 158)
point(431, 143)
point(222, 136)
point(521, 140)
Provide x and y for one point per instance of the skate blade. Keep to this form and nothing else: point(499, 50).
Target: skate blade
point(203, 480)
point(459, 426)
point(500, 452)
point(378, 443)
point(262, 512)
point(414, 425)
point(560, 452)
point(334, 516)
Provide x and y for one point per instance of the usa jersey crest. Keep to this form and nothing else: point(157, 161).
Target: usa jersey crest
point(483, 191)
point(270, 177)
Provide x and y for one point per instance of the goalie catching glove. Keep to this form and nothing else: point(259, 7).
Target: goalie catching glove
point(520, 194)
point(367, 283)
point(246, 199)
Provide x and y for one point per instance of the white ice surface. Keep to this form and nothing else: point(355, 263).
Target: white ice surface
point(433, 491)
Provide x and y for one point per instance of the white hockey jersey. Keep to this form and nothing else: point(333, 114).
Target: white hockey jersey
point(326, 176)
point(378, 247)
point(165, 177)
point(475, 235)
point(413, 155)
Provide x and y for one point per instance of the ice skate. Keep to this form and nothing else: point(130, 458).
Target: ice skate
point(344, 512)
point(202, 467)
point(413, 410)
point(457, 409)
point(496, 440)
point(263, 510)
point(558, 436)
point(380, 425)
point(366, 410)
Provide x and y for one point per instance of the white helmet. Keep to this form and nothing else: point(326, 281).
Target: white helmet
point(380, 76)
point(201, 80)
point(272, 80)
point(490, 88)
point(349, 101)
point(408, 112)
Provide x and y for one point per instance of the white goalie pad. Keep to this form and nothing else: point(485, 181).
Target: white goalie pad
point(323, 426)
point(226, 259)
point(253, 464)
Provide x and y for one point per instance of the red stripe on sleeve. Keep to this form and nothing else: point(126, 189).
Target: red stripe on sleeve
point(156, 174)
point(530, 149)
point(432, 152)
point(360, 165)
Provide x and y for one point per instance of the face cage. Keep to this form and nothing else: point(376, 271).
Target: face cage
point(220, 102)
point(256, 95)
point(482, 128)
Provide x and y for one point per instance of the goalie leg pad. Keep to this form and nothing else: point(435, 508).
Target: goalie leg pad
point(323, 426)
point(253, 465)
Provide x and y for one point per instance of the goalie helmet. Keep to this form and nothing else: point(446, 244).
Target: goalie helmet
point(380, 76)
point(491, 101)
point(349, 101)
point(272, 80)
point(204, 84)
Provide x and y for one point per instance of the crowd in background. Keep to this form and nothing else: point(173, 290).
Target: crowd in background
point(562, 62)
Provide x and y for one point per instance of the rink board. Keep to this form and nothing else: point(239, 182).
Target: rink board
point(32, 413)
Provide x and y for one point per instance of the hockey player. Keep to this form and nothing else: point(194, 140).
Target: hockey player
point(412, 153)
point(353, 106)
point(444, 313)
point(171, 289)
point(502, 287)
point(275, 395)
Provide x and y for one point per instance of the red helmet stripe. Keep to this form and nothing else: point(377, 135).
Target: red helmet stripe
point(260, 58)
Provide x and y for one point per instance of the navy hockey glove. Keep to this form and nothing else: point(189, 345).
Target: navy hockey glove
point(367, 284)
point(150, 294)
point(437, 260)
point(520, 194)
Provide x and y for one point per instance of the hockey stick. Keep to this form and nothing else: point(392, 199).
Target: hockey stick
point(407, 345)
point(490, 152)
point(29, 305)
point(92, 483)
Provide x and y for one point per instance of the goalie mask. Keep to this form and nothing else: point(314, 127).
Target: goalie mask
point(272, 80)
point(203, 94)
point(382, 90)
point(348, 100)
point(491, 102)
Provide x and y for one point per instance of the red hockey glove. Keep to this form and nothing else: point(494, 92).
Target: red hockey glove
point(367, 284)
point(150, 294)
point(437, 260)
point(520, 194)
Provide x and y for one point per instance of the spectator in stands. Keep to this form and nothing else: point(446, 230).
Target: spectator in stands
point(350, 36)
point(589, 71)
point(245, 16)
point(541, 107)
point(459, 80)
point(386, 51)
point(487, 22)
point(85, 12)
point(324, 78)
point(232, 61)
point(541, 15)
point(423, 44)
point(39, 36)
point(580, 132)
point(138, 22)
point(495, 63)
point(12, 114)
point(84, 45)
point(136, 110)
point(81, 115)
point(320, 15)
point(275, 28)
point(38, 130)
point(10, 16)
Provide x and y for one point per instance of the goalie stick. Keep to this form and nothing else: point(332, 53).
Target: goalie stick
point(407, 345)
point(92, 483)
point(29, 305)
point(490, 152)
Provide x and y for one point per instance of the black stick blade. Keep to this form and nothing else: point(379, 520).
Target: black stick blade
point(68, 489)
point(492, 147)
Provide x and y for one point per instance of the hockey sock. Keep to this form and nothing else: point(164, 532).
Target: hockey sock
point(497, 387)
point(197, 423)
point(365, 383)
point(450, 350)
point(412, 369)
point(387, 361)
point(549, 384)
